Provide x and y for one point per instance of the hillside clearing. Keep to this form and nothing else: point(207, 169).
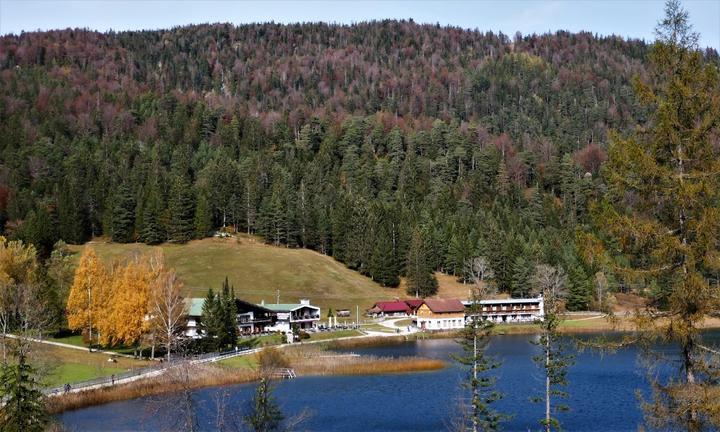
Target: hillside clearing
point(259, 271)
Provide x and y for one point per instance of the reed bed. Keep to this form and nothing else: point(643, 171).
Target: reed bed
point(369, 365)
point(316, 361)
point(363, 342)
point(306, 360)
point(194, 376)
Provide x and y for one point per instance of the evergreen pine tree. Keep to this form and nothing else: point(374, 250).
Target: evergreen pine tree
point(473, 338)
point(152, 231)
point(420, 275)
point(123, 215)
point(211, 321)
point(502, 180)
point(264, 413)
point(553, 359)
point(228, 309)
point(203, 216)
point(181, 207)
point(72, 221)
point(383, 264)
point(579, 289)
point(522, 271)
point(23, 407)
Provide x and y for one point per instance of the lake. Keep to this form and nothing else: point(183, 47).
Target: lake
point(602, 395)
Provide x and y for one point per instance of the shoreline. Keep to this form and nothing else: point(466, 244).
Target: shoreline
point(305, 359)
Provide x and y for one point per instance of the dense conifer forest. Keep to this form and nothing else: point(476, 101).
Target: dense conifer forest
point(399, 149)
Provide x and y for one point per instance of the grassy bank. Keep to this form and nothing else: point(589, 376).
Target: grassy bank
point(59, 365)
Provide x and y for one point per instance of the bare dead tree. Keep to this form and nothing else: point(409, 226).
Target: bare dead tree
point(480, 273)
point(168, 310)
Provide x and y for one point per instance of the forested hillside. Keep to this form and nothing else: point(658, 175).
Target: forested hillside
point(394, 147)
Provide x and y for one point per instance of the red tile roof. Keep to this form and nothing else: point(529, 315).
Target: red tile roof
point(445, 305)
point(414, 303)
point(392, 306)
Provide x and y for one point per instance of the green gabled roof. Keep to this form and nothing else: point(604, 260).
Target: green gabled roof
point(284, 307)
point(281, 307)
point(195, 306)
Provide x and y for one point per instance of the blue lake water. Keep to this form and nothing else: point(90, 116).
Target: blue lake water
point(602, 395)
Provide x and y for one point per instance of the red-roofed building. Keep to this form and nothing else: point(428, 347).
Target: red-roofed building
point(440, 314)
point(414, 304)
point(389, 308)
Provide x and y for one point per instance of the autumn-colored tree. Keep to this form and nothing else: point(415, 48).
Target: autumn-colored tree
point(662, 216)
point(18, 267)
point(126, 318)
point(88, 297)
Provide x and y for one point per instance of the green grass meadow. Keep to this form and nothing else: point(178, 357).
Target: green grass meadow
point(258, 271)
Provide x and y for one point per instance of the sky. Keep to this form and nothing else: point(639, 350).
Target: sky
point(633, 18)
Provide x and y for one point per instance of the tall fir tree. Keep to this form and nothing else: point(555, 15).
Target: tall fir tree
point(203, 216)
point(383, 266)
point(153, 231)
point(669, 231)
point(228, 309)
point(479, 414)
point(264, 414)
point(553, 359)
point(123, 215)
point(211, 323)
point(181, 206)
point(420, 275)
point(23, 407)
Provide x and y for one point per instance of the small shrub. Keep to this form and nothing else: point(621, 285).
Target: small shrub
point(272, 358)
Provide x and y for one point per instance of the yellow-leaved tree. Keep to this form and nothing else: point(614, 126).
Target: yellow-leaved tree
point(18, 267)
point(127, 318)
point(88, 297)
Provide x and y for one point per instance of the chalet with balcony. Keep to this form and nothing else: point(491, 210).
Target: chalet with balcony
point(252, 318)
point(303, 315)
point(511, 310)
point(440, 314)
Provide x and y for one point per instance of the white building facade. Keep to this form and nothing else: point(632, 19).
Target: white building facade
point(524, 310)
point(303, 315)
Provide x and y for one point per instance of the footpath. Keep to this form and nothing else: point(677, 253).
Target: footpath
point(163, 367)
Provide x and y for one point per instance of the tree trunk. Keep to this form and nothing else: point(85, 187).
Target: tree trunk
point(475, 366)
point(547, 383)
point(689, 366)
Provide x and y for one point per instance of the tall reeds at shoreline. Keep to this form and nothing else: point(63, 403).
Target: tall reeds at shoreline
point(202, 376)
point(316, 361)
point(305, 360)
